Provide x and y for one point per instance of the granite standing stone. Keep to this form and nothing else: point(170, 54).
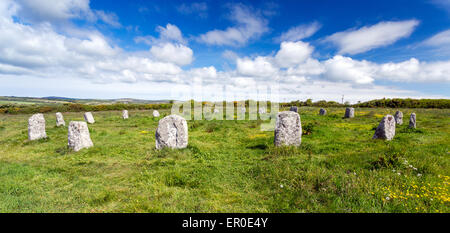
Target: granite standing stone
point(36, 127)
point(398, 117)
point(349, 113)
point(155, 113)
point(386, 128)
point(322, 112)
point(60, 120)
point(78, 136)
point(89, 118)
point(412, 121)
point(288, 129)
point(293, 109)
point(125, 114)
point(172, 132)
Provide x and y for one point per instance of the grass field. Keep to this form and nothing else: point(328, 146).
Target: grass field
point(229, 166)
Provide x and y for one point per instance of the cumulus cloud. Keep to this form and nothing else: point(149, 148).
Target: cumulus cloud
point(360, 40)
point(299, 32)
point(63, 10)
point(174, 53)
point(293, 53)
point(249, 25)
point(258, 67)
point(170, 33)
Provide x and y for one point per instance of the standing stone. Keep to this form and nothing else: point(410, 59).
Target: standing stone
point(386, 128)
point(412, 121)
point(78, 136)
point(89, 118)
point(398, 117)
point(172, 132)
point(125, 114)
point(155, 113)
point(349, 113)
point(36, 127)
point(322, 112)
point(60, 119)
point(293, 109)
point(288, 129)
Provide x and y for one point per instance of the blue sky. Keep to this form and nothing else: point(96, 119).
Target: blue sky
point(162, 49)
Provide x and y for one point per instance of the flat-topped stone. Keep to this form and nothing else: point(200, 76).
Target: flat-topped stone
point(78, 136)
point(172, 132)
point(288, 129)
point(60, 119)
point(89, 118)
point(36, 127)
point(386, 128)
point(125, 114)
point(349, 113)
point(398, 117)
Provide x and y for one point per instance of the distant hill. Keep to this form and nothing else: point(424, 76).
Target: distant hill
point(61, 100)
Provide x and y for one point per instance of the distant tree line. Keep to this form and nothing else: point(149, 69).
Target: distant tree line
point(75, 107)
point(69, 107)
point(405, 103)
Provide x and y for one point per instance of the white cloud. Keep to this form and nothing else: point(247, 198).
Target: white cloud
point(299, 32)
point(170, 33)
point(173, 53)
point(258, 67)
point(249, 26)
point(360, 40)
point(343, 69)
point(293, 53)
point(198, 8)
point(438, 40)
point(61, 11)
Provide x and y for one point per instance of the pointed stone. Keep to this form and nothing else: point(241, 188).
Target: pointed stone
point(36, 127)
point(412, 121)
point(349, 113)
point(89, 118)
point(125, 114)
point(386, 128)
point(172, 132)
point(288, 129)
point(293, 109)
point(78, 136)
point(398, 117)
point(60, 119)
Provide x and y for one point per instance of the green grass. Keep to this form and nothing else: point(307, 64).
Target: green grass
point(229, 166)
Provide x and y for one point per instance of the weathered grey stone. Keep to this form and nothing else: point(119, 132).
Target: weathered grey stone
point(78, 136)
point(262, 110)
point(412, 121)
point(89, 118)
point(172, 132)
point(125, 114)
point(155, 113)
point(293, 109)
point(386, 128)
point(398, 117)
point(349, 113)
point(60, 119)
point(288, 129)
point(36, 127)
point(322, 112)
